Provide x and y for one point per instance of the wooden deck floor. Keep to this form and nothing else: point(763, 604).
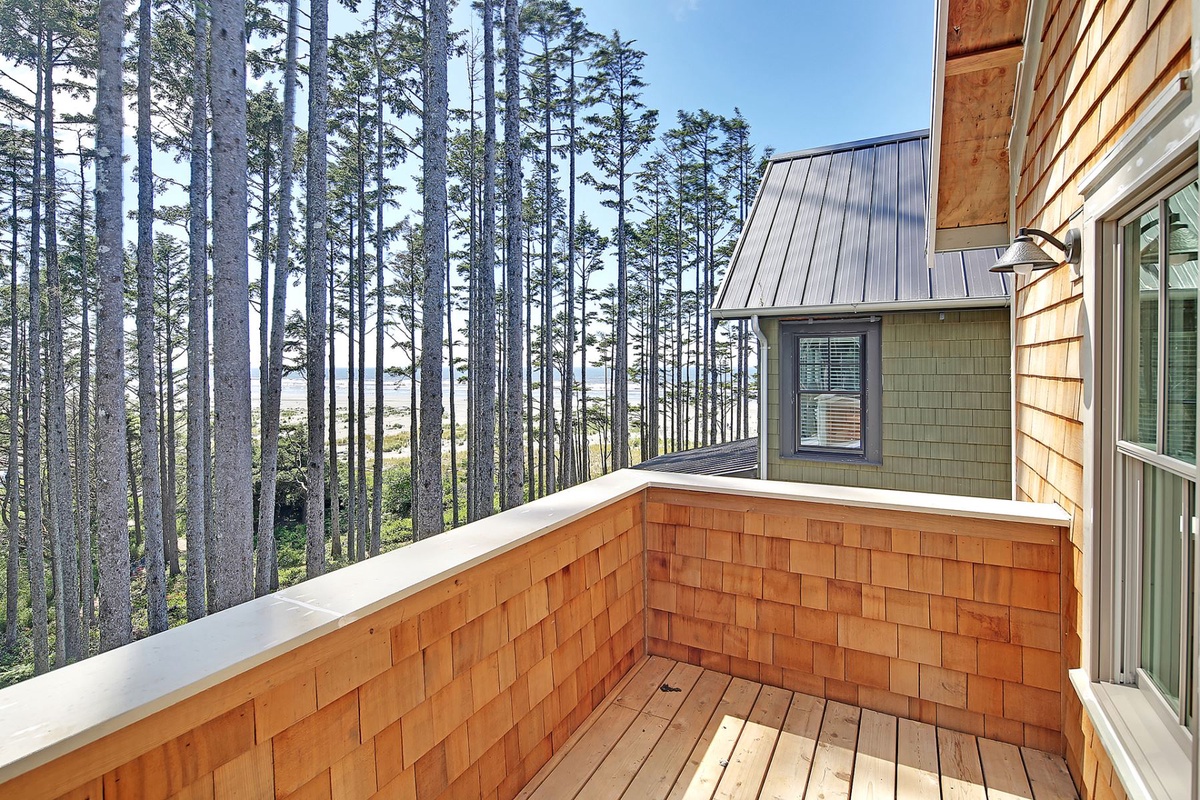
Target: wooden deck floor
point(673, 730)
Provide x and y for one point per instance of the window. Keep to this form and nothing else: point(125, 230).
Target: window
point(830, 390)
point(1156, 518)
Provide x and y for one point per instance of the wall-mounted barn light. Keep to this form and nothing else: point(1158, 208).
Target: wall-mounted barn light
point(1023, 256)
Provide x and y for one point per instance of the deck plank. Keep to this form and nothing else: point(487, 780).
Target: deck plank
point(1003, 771)
point(581, 732)
point(706, 764)
point(645, 684)
point(657, 775)
point(833, 763)
point(962, 774)
point(875, 762)
point(756, 746)
point(587, 754)
point(675, 730)
point(787, 776)
point(1048, 776)
point(624, 759)
point(627, 756)
point(917, 776)
point(666, 703)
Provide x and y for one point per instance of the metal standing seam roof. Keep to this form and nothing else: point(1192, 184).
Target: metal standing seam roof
point(842, 228)
point(727, 458)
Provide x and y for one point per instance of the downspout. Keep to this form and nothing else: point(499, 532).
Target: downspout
point(764, 362)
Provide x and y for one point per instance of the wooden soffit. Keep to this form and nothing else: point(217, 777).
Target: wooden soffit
point(978, 48)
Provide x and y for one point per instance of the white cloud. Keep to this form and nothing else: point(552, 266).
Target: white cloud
point(681, 8)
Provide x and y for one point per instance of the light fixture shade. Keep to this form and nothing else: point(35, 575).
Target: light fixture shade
point(1023, 256)
point(1023, 253)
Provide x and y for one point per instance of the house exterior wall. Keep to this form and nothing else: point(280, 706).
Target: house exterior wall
point(1101, 65)
point(947, 421)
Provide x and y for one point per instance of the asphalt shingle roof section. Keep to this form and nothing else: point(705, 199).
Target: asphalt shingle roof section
point(842, 228)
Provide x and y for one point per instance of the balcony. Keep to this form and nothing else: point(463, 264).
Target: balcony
point(493, 661)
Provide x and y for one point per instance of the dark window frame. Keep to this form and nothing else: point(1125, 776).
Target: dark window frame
point(791, 333)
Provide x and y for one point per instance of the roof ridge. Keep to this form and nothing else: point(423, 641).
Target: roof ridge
point(859, 144)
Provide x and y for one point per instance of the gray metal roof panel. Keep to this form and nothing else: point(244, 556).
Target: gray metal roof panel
point(793, 275)
point(880, 286)
point(845, 225)
point(912, 271)
point(849, 283)
point(740, 455)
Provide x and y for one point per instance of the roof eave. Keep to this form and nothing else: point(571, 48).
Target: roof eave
point(955, 303)
point(941, 19)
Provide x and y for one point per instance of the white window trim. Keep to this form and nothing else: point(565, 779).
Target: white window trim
point(1152, 760)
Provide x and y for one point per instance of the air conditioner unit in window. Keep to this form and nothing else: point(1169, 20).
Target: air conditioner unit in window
point(839, 421)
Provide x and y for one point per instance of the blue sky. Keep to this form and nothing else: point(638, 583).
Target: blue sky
point(805, 73)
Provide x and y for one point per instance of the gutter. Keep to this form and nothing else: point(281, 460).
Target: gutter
point(959, 303)
point(764, 360)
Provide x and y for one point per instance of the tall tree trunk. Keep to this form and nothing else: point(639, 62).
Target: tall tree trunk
point(547, 393)
point(62, 494)
point(35, 545)
point(535, 475)
point(335, 511)
point(112, 479)
point(414, 433)
point(482, 459)
point(570, 469)
point(436, 111)
point(269, 419)
point(199, 432)
point(360, 287)
point(586, 449)
point(351, 428)
point(315, 267)
point(83, 421)
point(380, 305)
point(620, 407)
point(12, 481)
point(133, 491)
point(233, 501)
point(167, 424)
point(453, 421)
point(514, 478)
point(156, 583)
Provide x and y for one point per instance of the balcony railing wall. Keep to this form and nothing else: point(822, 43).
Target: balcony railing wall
point(950, 620)
point(459, 665)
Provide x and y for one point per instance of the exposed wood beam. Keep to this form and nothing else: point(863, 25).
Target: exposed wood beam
point(984, 59)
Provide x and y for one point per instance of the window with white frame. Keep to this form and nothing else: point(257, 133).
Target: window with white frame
point(830, 390)
point(1156, 518)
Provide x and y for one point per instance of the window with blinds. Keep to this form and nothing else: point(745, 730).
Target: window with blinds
point(826, 386)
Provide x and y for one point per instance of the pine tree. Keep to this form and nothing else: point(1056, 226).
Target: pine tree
point(112, 478)
point(514, 477)
point(618, 138)
point(430, 500)
point(232, 473)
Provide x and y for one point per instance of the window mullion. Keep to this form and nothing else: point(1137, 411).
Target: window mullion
point(1164, 247)
point(1185, 532)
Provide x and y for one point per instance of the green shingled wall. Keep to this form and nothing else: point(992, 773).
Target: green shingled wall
point(946, 408)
